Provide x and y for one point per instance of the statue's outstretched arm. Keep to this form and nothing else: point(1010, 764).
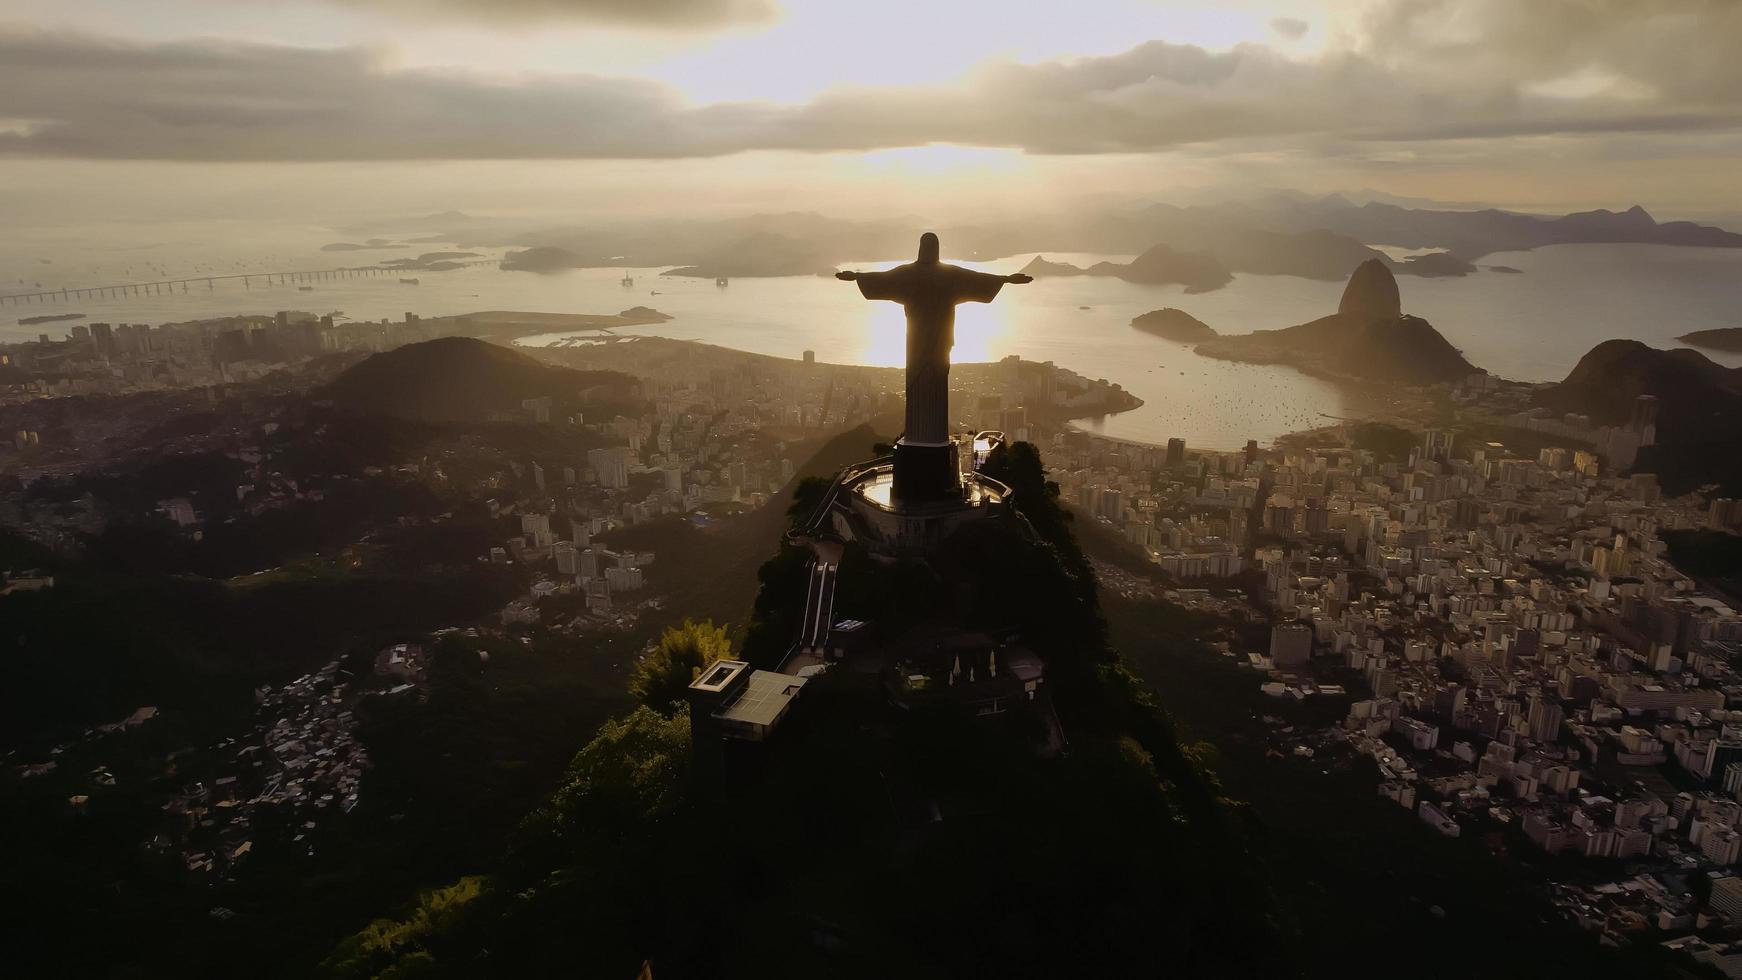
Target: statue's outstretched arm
point(847, 276)
point(1019, 278)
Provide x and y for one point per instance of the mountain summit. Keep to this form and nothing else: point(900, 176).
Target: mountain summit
point(461, 379)
point(1369, 338)
point(1698, 409)
point(1371, 293)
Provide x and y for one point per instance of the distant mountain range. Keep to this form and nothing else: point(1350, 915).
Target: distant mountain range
point(1472, 234)
point(459, 379)
point(1317, 238)
point(1369, 338)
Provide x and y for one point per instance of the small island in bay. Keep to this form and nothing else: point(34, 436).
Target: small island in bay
point(508, 325)
point(1368, 339)
point(1504, 268)
point(1434, 264)
point(1174, 324)
point(1727, 339)
point(542, 258)
point(373, 243)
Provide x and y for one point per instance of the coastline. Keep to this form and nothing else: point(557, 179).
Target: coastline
point(511, 325)
point(1364, 399)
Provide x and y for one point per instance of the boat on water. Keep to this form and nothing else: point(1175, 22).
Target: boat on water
point(721, 281)
point(628, 280)
point(409, 282)
point(305, 289)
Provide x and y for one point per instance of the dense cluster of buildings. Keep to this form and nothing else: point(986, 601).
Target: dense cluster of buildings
point(1530, 661)
point(598, 577)
point(303, 764)
point(104, 358)
point(1533, 661)
point(1190, 514)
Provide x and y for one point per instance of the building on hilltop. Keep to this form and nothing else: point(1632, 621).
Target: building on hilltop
point(898, 508)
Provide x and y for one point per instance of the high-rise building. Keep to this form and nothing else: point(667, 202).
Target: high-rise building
point(1544, 719)
point(1727, 897)
point(1176, 452)
point(1291, 643)
point(1733, 779)
point(105, 338)
point(536, 528)
point(1436, 444)
point(1726, 513)
point(623, 579)
point(1113, 505)
point(567, 558)
point(610, 466)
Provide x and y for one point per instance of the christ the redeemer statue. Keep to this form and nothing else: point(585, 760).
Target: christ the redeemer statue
point(929, 291)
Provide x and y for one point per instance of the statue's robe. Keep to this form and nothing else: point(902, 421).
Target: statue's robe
point(929, 292)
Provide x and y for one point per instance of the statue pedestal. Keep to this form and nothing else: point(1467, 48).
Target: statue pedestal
point(926, 473)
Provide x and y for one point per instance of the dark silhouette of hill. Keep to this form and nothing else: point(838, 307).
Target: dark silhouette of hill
point(1371, 293)
point(1158, 265)
point(1174, 325)
point(1689, 386)
point(1699, 408)
point(1039, 268)
point(459, 379)
point(1367, 339)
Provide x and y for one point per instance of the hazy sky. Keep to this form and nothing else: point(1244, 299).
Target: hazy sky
point(248, 107)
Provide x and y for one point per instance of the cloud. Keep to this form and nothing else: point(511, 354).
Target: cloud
point(664, 14)
point(1679, 49)
point(1428, 71)
point(1292, 28)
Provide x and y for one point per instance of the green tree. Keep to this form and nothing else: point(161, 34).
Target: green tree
point(1018, 466)
point(1388, 442)
point(806, 495)
point(618, 788)
point(399, 947)
point(681, 656)
point(632, 770)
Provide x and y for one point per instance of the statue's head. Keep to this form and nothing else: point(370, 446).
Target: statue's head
point(928, 248)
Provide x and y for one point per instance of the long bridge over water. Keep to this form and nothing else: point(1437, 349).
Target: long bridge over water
point(163, 286)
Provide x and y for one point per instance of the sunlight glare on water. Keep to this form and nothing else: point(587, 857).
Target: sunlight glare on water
point(1533, 326)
